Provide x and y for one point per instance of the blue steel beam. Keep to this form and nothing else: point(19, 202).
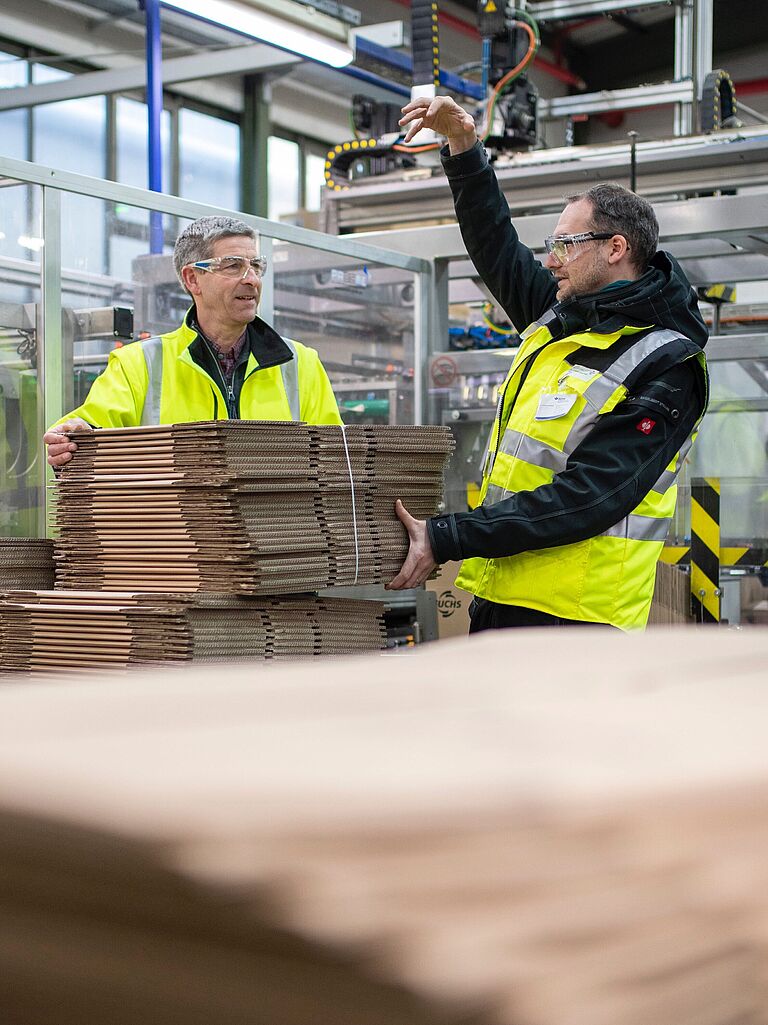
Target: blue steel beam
point(402, 65)
point(154, 115)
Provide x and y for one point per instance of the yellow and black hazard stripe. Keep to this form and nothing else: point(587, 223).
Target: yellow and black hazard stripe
point(705, 549)
point(742, 556)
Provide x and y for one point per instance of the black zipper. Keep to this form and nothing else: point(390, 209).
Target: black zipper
point(232, 411)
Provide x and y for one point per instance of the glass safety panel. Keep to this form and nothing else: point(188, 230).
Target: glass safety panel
point(116, 296)
point(22, 465)
point(360, 317)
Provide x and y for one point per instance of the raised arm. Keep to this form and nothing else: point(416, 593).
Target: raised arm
point(522, 287)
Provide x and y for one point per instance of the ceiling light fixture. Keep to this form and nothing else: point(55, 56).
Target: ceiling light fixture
point(267, 28)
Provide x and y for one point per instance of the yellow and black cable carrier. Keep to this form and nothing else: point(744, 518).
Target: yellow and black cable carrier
point(339, 159)
point(425, 46)
point(717, 108)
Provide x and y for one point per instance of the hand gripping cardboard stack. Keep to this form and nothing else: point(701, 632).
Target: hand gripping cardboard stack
point(183, 542)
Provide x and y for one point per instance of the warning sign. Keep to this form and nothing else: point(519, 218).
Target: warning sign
point(443, 371)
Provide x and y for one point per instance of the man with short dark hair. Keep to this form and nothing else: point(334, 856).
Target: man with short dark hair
point(597, 413)
point(224, 362)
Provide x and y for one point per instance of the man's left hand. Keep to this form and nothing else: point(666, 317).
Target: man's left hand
point(420, 561)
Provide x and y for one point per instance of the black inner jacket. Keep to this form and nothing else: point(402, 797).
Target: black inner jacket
point(617, 464)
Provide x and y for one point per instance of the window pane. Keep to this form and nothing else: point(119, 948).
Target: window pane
point(314, 181)
point(13, 123)
point(22, 465)
point(283, 177)
point(13, 132)
point(210, 159)
point(72, 135)
point(132, 144)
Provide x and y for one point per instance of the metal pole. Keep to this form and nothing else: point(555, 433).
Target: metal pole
point(267, 304)
point(683, 67)
point(51, 359)
point(632, 160)
point(254, 147)
point(702, 57)
point(154, 116)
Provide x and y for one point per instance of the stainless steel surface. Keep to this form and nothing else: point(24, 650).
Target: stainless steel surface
point(564, 10)
point(666, 169)
point(617, 99)
point(22, 170)
point(716, 238)
point(232, 60)
point(737, 347)
point(17, 316)
point(683, 63)
point(703, 24)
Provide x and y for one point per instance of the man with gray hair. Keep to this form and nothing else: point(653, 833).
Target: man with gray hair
point(597, 413)
point(223, 362)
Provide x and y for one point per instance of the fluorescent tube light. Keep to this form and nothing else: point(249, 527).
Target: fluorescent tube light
point(266, 28)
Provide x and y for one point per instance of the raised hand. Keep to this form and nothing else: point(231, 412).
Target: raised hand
point(444, 116)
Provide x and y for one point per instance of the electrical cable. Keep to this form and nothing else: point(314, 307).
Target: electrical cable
point(510, 76)
point(495, 327)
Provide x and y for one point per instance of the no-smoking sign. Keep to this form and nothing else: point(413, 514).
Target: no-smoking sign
point(444, 371)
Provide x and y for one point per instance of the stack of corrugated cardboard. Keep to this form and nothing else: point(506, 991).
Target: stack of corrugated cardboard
point(43, 631)
point(25, 563)
point(261, 508)
point(505, 831)
point(671, 597)
point(361, 474)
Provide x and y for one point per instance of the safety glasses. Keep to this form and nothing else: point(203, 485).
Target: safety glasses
point(558, 245)
point(233, 266)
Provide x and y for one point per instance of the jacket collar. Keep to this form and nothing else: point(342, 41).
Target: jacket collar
point(262, 341)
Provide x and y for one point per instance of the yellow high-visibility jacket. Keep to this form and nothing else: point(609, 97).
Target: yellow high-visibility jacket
point(173, 378)
point(607, 578)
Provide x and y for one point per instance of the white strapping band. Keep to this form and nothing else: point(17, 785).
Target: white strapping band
point(354, 510)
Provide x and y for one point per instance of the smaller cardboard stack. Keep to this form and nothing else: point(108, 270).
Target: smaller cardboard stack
point(41, 631)
point(25, 562)
point(383, 463)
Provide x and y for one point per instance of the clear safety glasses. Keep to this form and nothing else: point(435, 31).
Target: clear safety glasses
point(233, 266)
point(565, 247)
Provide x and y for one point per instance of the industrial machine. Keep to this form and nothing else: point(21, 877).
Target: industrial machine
point(505, 116)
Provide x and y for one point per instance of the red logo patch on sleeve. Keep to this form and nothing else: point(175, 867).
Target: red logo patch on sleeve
point(646, 425)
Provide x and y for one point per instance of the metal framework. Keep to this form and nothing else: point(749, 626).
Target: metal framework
point(537, 181)
point(53, 359)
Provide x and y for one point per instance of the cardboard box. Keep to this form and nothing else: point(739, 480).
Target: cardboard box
point(452, 602)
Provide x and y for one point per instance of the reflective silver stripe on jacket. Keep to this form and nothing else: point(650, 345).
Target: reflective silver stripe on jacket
point(153, 356)
point(532, 450)
point(668, 477)
point(538, 453)
point(640, 528)
point(290, 374)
